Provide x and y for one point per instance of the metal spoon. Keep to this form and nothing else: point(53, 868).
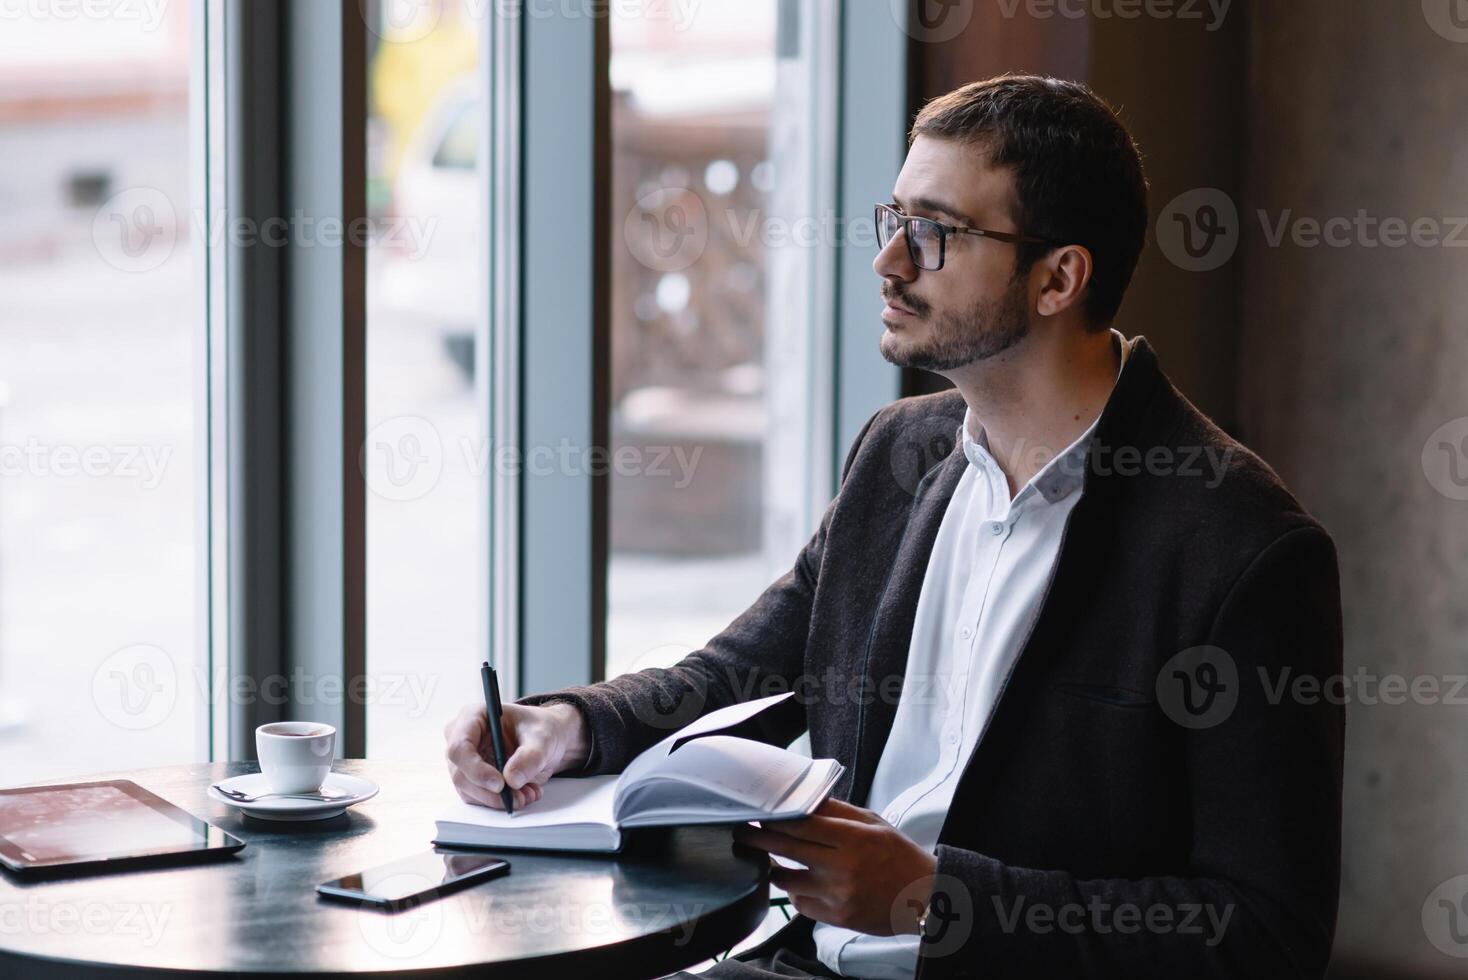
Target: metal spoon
point(241, 797)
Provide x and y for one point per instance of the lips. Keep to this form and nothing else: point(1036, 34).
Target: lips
point(898, 307)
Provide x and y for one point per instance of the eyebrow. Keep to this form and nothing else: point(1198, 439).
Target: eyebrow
point(929, 204)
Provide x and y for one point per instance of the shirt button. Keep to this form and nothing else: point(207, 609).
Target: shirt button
point(996, 528)
point(966, 632)
point(952, 738)
point(892, 816)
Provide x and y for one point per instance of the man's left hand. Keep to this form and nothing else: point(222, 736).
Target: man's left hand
point(857, 865)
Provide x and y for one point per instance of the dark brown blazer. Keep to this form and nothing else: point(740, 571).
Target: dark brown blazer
point(1152, 748)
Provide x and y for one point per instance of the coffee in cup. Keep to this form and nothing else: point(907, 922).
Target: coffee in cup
point(295, 756)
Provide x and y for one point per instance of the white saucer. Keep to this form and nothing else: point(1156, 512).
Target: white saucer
point(283, 808)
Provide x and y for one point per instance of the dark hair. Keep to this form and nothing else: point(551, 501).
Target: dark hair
point(1077, 173)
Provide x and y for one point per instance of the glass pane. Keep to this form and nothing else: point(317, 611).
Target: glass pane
point(714, 244)
point(101, 658)
point(424, 457)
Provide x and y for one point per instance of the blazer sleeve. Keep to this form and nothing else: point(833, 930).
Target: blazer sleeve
point(1259, 895)
point(761, 652)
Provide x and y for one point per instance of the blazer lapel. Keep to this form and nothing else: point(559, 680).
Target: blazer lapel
point(885, 658)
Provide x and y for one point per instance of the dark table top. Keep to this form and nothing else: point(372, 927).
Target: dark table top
point(673, 898)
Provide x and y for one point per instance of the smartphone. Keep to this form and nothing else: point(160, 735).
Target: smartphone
point(405, 883)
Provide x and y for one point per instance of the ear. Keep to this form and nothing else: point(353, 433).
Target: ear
point(1064, 274)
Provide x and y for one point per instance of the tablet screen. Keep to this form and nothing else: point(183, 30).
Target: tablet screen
point(83, 822)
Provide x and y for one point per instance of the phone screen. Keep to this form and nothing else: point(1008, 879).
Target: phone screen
point(423, 875)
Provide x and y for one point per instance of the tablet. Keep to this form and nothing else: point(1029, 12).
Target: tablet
point(100, 826)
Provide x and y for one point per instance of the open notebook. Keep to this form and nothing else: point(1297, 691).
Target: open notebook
point(695, 775)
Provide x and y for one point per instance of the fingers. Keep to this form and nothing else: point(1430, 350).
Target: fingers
point(524, 796)
point(817, 830)
point(464, 755)
point(467, 737)
point(794, 881)
point(471, 792)
point(832, 807)
point(813, 908)
point(471, 763)
point(804, 851)
point(528, 761)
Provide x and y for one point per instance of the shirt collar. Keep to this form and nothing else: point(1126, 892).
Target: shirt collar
point(1057, 478)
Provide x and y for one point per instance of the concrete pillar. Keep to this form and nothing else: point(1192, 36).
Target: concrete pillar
point(1350, 358)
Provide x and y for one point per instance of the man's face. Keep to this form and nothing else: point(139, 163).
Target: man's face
point(974, 307)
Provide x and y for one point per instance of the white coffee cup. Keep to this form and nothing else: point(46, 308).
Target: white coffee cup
point(295, 756)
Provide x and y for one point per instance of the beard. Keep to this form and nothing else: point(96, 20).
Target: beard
point(955, 339)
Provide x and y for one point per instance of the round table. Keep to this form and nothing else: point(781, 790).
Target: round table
point(673, 898)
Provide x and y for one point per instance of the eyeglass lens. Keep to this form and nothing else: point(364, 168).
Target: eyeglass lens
point(924, 238)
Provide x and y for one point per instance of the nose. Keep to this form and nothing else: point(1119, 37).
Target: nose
point(893, 262)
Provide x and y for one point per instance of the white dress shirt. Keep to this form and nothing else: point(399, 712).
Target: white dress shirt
point(990, 565)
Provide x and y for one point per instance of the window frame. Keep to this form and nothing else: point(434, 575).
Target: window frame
point(564, 369)
point(285, 340)
point(874, 85)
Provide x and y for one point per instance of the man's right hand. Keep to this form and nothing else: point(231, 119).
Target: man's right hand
point(540, 740)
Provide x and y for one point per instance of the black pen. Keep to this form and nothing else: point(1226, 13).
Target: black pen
point(496, 733)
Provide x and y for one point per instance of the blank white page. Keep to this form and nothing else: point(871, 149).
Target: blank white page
point(753, 773)
point(565, 801)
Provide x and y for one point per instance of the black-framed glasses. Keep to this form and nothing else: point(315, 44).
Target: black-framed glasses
point(927, 240)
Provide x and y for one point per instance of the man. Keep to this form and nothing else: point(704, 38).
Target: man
point(1074, 629)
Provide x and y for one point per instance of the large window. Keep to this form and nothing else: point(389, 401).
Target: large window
point(721, 234)
point(102, 660)
point(605, 227)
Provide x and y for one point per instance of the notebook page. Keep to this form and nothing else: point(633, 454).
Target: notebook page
point(563, 801)
point(752, 773)
point(663, 802)
point(723, 718)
